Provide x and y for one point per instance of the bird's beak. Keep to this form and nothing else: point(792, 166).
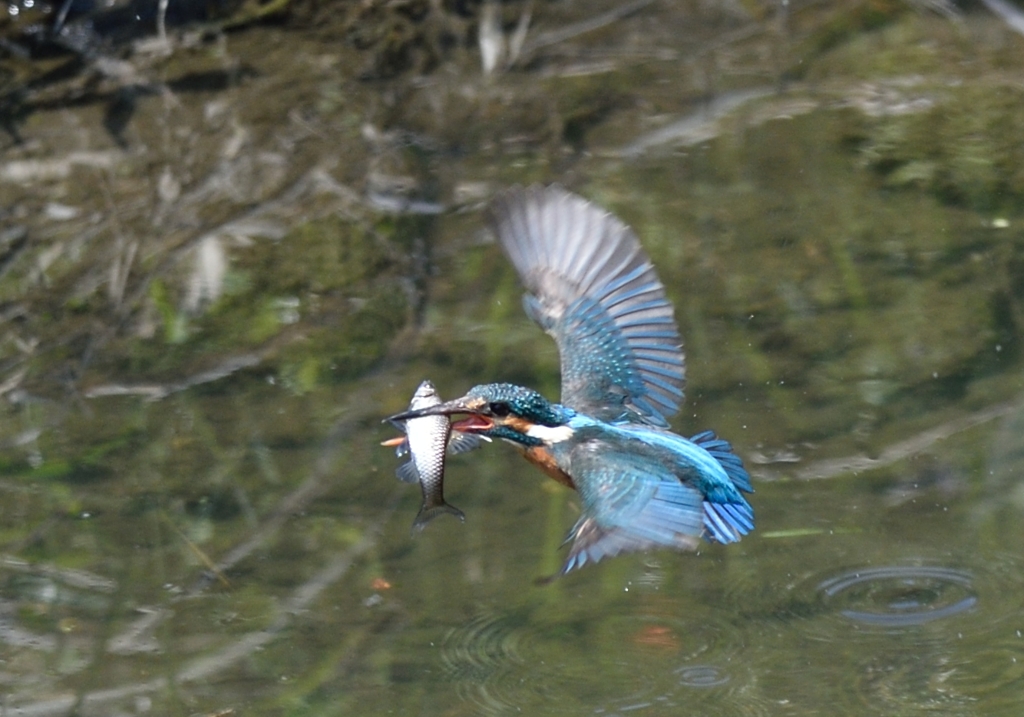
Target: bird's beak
point(473, 406)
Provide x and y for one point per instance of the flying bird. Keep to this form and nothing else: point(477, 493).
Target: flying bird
point(591, 286)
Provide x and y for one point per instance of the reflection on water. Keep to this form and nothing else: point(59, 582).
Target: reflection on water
point(208, 302)
point(623, 661)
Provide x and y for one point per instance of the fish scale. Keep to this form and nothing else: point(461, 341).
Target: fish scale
point(427, 441)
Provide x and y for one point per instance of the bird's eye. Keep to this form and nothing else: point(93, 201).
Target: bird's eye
point(499, 409)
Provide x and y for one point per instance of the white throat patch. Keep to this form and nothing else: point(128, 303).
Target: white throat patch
point(549, 434)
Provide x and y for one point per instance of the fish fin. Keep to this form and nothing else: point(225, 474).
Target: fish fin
point(427, 514)
point(407, 473)
point(399, 443)
point(727, 522)
point(721, 450)
point(460, 442)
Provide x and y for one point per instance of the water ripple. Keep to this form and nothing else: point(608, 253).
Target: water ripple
point(634, 662)
point(701, 676)
point(900, 596)
point(696, 664)
point(481, 657)
point(918, 639)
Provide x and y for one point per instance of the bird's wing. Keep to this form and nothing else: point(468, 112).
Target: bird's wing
point(630, 502)
point(592, 287)
point(635, 497)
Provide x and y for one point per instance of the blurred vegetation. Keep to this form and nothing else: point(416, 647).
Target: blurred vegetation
point(223, 261)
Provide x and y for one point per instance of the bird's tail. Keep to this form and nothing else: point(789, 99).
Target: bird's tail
point(721, 450)
point(726, 519)
point(727, 522)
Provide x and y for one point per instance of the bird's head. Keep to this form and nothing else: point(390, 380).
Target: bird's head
point(504, 410)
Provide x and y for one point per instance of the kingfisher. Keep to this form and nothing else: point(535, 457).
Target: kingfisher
point(591, 286)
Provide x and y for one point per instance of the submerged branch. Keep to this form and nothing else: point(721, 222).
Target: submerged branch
point(834, 467)
point(553, 37)
point(157, 391)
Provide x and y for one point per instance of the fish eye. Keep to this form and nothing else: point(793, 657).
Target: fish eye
point(499, 409)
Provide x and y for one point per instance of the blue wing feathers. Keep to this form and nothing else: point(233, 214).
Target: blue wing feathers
point(610, 301)
point(670, 518)
point(654, 320)
point(634, 500)
point(618, 283)
point(667, 387)
point(649, 366)
point(630, 503)
point(717, 529)
point(726, 521)
point(595, 290)
point(637, 308)
point(669, 363)
point(715, 444)
point(661, 399)
point(655, 350)
point(636, 336)
point(645, 407)
point(591, 543)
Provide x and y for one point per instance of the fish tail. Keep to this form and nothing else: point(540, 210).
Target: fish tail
point(429, 512)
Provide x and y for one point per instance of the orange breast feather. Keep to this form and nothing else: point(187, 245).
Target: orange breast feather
point(540, 457)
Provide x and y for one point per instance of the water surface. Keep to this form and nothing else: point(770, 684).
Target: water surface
point(225, 257)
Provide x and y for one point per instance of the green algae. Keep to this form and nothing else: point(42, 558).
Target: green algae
point(350, 345)
point(966, 150)
point(841, 283)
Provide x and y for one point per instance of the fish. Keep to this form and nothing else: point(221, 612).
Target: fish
point(426, 441)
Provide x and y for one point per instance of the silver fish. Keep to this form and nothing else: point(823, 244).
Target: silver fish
point(426, 440)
